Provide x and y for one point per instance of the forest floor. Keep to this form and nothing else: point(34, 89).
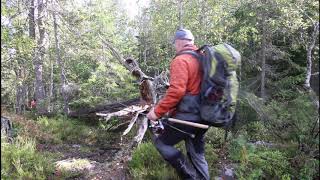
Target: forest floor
point(107, 161)
point(110, 163)
point(107, 158)
point(81, 161)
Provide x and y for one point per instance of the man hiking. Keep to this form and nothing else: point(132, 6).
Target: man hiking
point(181, 102)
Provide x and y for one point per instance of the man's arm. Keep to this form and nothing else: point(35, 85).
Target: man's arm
point(177, 88)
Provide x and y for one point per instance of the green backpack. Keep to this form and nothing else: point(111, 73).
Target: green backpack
point(220, 85)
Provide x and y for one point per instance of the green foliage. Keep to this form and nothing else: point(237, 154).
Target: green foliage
point(212, 159)
point(89, 102)
point(147, 163)
point(291, 121)
point(289, 82)
point(67, 130)
point(309, 169)
point(21, 160)
point(264, 165)
point(109, 83)
point(257, 131)
point(245, 112)
point(258, 163)
point(215, 137)
point(295, 119)
point(237, 145)
point(287, 116)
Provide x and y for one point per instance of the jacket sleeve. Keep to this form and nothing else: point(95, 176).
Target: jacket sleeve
point(177, 88)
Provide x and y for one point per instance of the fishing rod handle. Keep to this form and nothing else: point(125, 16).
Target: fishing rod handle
point(198, 125)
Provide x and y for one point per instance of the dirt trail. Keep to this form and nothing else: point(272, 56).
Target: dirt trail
point(225, 166)
point(80, 161)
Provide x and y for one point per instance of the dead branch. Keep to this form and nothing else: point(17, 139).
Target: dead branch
point(118, 127)
point(161, 84)
point(143, 126)
point(151, 89)
point(123, 112)
point(147, 91)
point(114, 52)
point(133, 120)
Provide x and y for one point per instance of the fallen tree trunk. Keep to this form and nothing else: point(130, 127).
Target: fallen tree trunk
point(150, 90)
point(103, 108)
point(148, 93)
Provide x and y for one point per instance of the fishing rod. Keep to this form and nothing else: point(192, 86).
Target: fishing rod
point(157, 126)
point(193, 124)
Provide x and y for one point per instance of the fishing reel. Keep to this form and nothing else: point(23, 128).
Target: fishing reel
point(156, 127)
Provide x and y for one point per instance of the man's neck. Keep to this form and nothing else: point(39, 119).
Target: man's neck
point(187, 47)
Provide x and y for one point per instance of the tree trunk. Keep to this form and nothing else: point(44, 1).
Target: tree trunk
point(19, 97)
point(21, 92)
point(180, 13)
point(310, 48)
point(63, 76)
point(6, 128)
point(17, 106)
point(202, 4)
point(32, 30)
point(50, 106)
point(38, 56)
point(103, 108)
point(24, 96)
point(32, 34)
point(263, 56)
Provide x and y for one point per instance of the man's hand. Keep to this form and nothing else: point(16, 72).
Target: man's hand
point(152, 115)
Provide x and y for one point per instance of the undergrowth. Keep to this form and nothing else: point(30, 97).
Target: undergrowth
point(21, 160)
point(24, 159)
point(66, 130)
point(147, 163)
point(249, 160)
point(260, 162)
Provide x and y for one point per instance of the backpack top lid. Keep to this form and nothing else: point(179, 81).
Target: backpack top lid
point(229, 54)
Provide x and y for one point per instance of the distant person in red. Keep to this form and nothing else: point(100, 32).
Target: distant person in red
point(33, 104)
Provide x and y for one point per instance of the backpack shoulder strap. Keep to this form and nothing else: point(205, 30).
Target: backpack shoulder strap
point(193, 53)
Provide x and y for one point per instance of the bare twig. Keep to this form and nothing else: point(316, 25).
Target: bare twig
point(123, 112)
point(115, 53)
point(143, 126)
point(133, 120)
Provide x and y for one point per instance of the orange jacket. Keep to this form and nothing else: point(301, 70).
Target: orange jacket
point(185, 77)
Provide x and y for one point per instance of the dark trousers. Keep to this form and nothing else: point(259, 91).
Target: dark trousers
point(198, 169)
